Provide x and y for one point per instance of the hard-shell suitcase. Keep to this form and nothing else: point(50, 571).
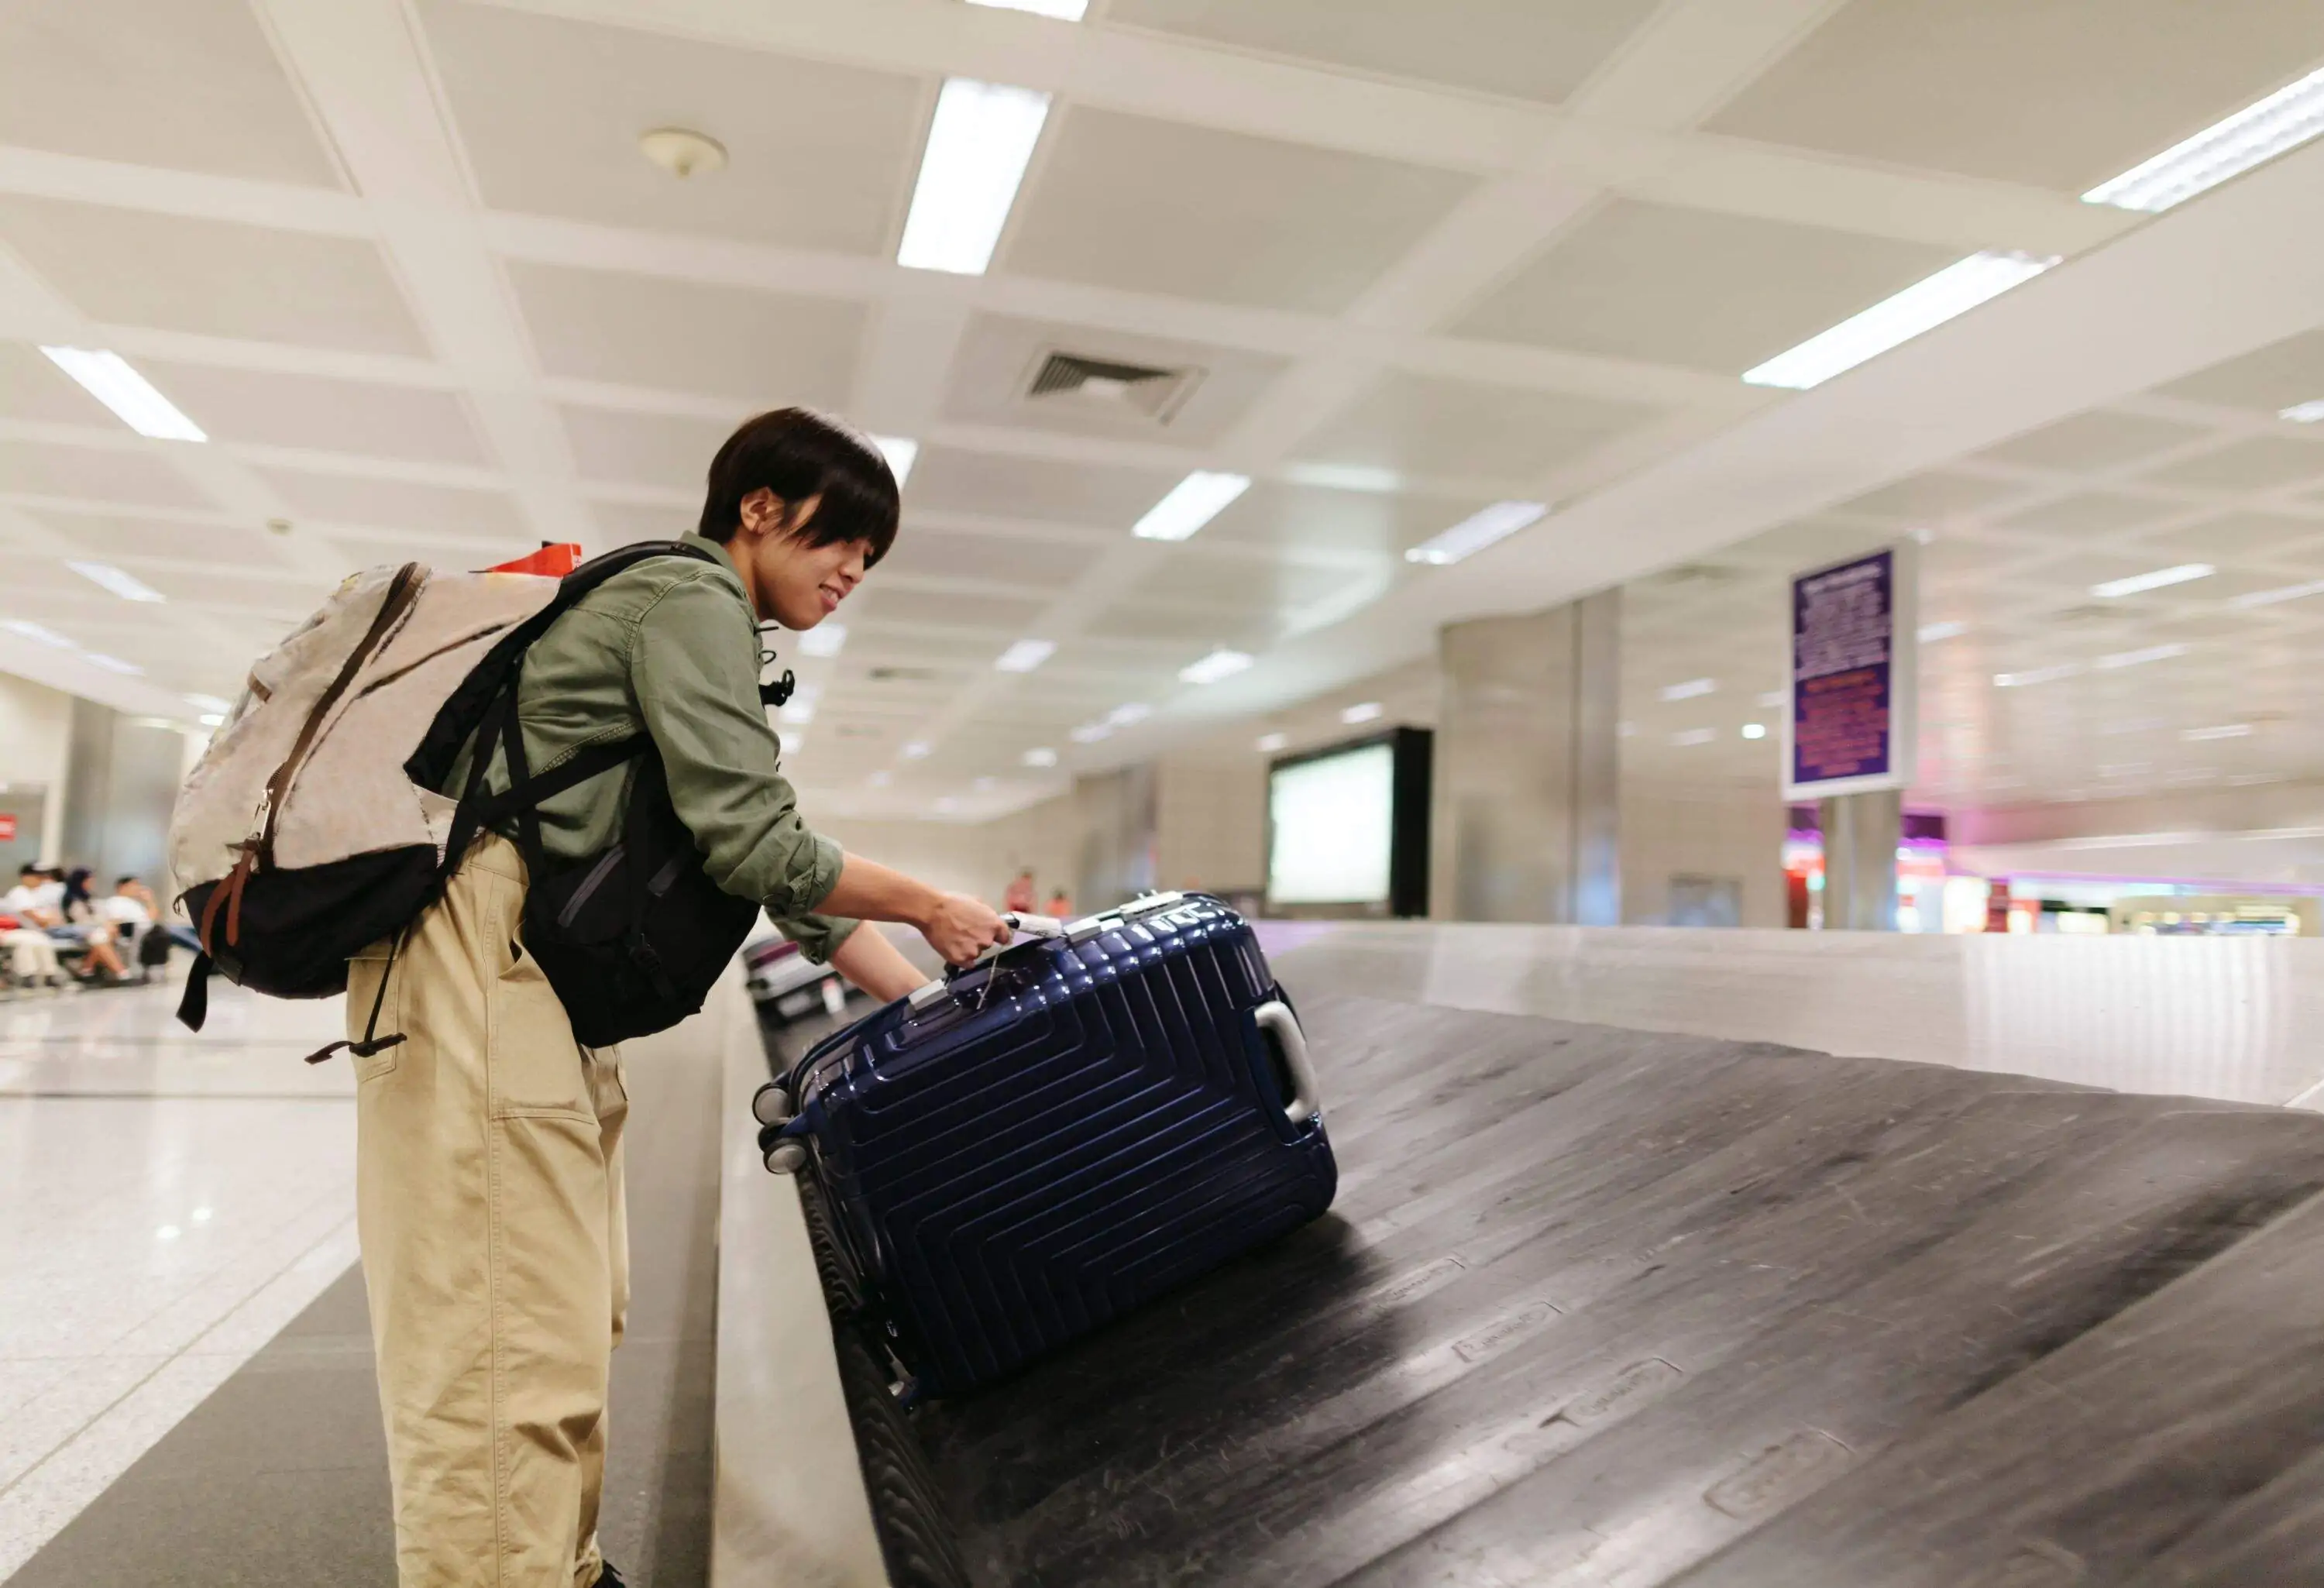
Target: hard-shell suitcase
point(1016, 1154)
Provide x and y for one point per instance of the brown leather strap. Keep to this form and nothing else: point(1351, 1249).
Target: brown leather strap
point(401, 592)
point(228, 886)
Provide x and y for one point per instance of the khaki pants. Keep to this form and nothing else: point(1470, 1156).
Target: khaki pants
point(494, 1245)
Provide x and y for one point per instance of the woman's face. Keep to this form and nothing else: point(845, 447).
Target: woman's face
point(791, 582)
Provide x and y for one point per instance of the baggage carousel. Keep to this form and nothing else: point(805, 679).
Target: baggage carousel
point(1604, 1305)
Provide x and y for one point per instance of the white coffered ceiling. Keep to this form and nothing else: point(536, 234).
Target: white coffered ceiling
point(405, 264)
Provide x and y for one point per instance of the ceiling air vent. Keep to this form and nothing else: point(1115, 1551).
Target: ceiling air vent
point(1132, 389)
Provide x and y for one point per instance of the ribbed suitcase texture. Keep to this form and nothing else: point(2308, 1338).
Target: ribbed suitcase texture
point(1065, 1132)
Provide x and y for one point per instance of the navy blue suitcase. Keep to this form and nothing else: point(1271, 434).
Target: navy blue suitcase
point(1019, 1153)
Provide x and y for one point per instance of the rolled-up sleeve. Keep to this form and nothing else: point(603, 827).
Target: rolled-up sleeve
point(693, 662)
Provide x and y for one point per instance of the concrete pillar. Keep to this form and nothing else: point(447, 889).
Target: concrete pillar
point(1860, 836)
point(121, 782)
point(1118, 824)
point(1526, 822)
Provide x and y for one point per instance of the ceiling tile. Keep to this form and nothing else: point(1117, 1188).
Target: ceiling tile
point(880, 606)
point(213, 277)
point(1323, 518)
point(2061, 94)
point(362, 417)
point(2260, 464)
point(646, 449)
point(2238, 535)
point(1161, 207)
point(399, 505)
point(1936, 495)
point(32, 388)
point(1000, 356)
point(188, 85)
point(125, 537)
point(770, 349)
point(1718, 292)
point(2090, 514)
point(1419, 425)
point(289, 594)
point(1097, 496)
point(1200, 577)
point(1183, 633)
point(1806, 545)
point(362, 551)
point(620, 524)
point(136, 476)
point(2094, 441)
point(819, 155)
point(2269, 381)
point(1525, 48)
point(996, 559)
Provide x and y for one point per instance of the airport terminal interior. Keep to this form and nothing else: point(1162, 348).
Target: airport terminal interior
point(1727, 595)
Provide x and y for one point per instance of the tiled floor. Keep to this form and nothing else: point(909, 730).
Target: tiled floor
point(173, 1200)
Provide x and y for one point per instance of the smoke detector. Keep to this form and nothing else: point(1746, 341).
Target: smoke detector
point(681, 152)
point(1153, 390)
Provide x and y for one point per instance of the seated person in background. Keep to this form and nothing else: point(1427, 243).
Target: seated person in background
point(1059, 905)
point(133, 890)
point(36, 903)
point(79, 910)
point(31, 958)
point(1020, 896)
point(130, 915)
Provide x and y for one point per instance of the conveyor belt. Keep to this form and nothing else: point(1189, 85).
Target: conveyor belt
point(1610, 1307)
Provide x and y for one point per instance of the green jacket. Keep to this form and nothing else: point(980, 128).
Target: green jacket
point(671, 647)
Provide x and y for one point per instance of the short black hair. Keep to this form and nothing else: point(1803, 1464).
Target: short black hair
point(797, 453)
point(31, 868)
point(123, 881)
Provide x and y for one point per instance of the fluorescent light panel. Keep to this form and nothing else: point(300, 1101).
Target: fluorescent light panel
point(2284, 120)
point(979, 144)
point(2304, 414)
point(1924, 305)
point(108, 378)
point(2159, 579)
point(1754, 730)
point(1690, 689)
point(106, 576)
point(1269, 743)
point(1363, 712)
point(1041, 756)
point(2280, 593)
point(1474, 533)
point(825, 638)
point(2140, 658)
point(2039, 675)
point(1192, 503)
point(902, 452)
point(917, 750)
point(1024, 656)
point(1691, 737)
point(32, 631)
point(2224, 730)
point(1063, 10)
point(1930, 633)
point(1123, 717)
point(112, 664)
point(1217, 665)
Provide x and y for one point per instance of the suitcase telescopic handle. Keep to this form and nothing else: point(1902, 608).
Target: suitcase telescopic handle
point(1307, 1095)
point(1022, 926)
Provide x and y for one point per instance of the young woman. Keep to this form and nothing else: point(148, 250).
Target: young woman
point(489, 1144)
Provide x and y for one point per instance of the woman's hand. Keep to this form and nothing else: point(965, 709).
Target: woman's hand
point(959, 927)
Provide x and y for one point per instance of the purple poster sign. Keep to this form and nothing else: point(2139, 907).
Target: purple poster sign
point(1851, 660)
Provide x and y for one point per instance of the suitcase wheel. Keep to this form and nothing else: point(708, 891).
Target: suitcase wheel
point(770, 1104)
point(786, 1158)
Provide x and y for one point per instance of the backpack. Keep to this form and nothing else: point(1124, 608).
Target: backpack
point(313, 827)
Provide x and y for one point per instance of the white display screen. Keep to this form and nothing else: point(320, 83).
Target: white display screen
point(1332, 820)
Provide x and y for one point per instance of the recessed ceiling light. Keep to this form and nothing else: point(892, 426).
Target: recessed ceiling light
point(1192, 503)
point(1063, 10)
point(902, 452)
point(107, 377)
point(2304, 414)
point(112, 664)
point(2280, 593)
point(1362, 712)
point(1269, 743)
point(883, 777)
point(2224, 730)
point(916, 749)
point(2285, 119)
point(1123, 717)
point(1217, 665)
point(1754, 730)
point(213, 719)
point(1924, 305)
point(1025, 655)
point(979, 145)
point(1042, 756)
point(1091, 733)
point(1474, 533)
point(2039, 675)
point(112, 578)
point(682, 151)
point(825, 638)
point(2141, 657)
point(1689, 690)
point(1931, 634)
point(2160, 579)
point(32, 631)
point(1689, 737)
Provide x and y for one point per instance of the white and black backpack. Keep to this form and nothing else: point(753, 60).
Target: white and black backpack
point(313, 827)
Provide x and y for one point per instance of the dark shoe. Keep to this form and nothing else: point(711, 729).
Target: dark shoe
point(607, 1577)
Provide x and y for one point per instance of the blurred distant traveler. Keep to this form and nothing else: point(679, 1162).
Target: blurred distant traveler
point(1019, 897)
point(1059, 904)
point(489, 1178)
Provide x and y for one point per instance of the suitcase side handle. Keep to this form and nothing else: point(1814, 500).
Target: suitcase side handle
point(1275, 1016)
